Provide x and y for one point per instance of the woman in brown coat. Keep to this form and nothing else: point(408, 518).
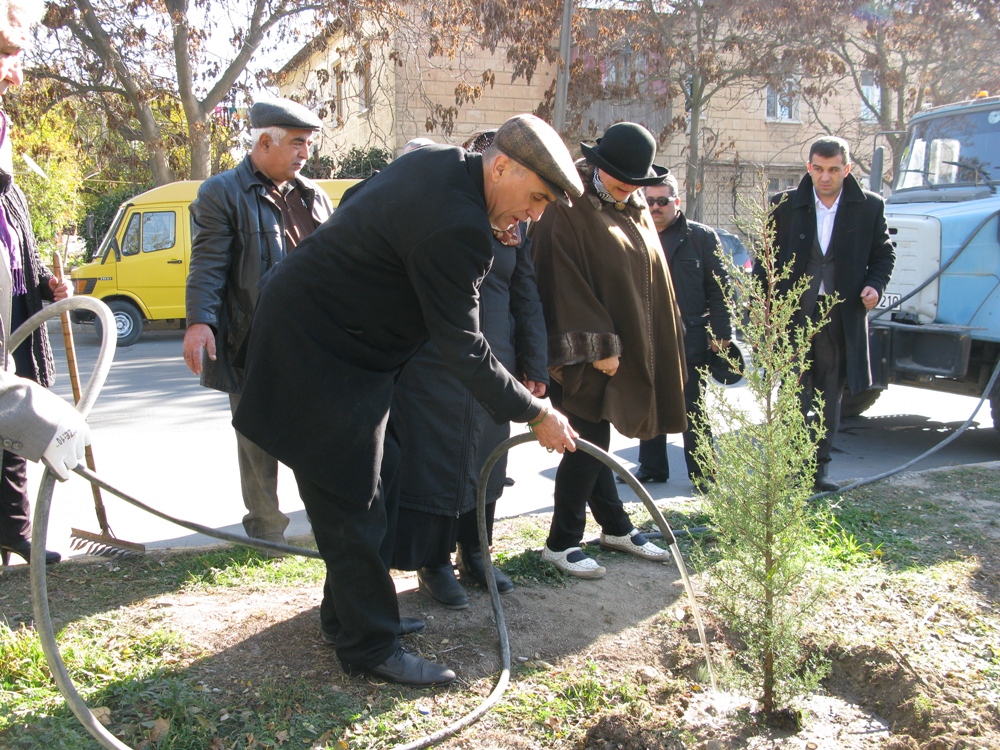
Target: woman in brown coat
point(614, 330)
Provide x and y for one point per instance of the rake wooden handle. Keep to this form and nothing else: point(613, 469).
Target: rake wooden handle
point(74, 379)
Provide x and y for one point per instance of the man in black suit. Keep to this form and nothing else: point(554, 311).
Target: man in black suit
point(700, 282)
point(834, 233)
point(398, 263)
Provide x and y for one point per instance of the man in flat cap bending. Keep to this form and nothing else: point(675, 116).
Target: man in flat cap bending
point(399, 263)
point(244, 221)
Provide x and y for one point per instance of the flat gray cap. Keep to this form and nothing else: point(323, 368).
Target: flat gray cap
point(532, 143)
point(283, 113)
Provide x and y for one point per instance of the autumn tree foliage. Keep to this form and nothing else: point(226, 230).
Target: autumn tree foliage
point(138, 59)
point(141, 57)
point(901, 56)
point(680, 56)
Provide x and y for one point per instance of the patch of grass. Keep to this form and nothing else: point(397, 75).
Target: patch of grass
point(528, 567)
point(906, 528)
point(551, 705)
point(840, 548)
point(120, 661)
point(245, 566)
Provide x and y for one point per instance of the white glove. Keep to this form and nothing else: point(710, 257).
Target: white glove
point(67, 447)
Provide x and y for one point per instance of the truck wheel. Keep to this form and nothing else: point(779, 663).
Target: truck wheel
point(857, 404)
point(128, 322)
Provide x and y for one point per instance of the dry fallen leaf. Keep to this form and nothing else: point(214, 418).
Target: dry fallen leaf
point(160, 729)
point(102, 714)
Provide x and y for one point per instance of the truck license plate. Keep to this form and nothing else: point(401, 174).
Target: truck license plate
point(888, 300)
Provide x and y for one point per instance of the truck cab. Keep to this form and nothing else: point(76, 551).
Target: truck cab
point(938, 326)
point(140, 268)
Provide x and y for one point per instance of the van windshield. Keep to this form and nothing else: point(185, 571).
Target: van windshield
point(956, 149)
point(108, 241)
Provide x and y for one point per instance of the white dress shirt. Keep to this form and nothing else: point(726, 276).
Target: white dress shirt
point(824, 225)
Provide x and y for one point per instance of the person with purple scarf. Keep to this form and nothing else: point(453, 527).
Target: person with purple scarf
point(30, 283)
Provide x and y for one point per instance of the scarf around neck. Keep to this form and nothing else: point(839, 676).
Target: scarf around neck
point(7, 238)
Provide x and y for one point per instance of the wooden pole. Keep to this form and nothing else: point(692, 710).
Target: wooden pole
point(74, 379)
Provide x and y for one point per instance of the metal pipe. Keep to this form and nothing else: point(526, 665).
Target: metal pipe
point(562, 77)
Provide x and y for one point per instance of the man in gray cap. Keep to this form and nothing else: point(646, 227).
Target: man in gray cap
point(399, 263)
point(244, 221)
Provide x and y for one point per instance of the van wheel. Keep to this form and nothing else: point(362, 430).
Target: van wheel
point(858, 404)
point(128, 322)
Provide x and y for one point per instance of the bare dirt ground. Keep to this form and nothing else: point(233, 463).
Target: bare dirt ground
point(915, 656)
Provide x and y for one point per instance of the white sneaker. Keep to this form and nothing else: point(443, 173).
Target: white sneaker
point(628, 543)
point(581, 566)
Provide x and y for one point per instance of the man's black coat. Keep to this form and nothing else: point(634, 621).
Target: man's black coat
point(699, 281)
point(864, 257)
point(399, 262)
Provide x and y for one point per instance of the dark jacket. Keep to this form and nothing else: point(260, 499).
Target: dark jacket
point(399, 263)
point(864, 257)
point(36, 280)
point(237, 235)
point(699, 280)
point(605, 289)
point(444, 435)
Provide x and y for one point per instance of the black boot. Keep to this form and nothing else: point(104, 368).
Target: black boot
point(440, 584)
point(470, 563)
point(23, 548)
point(823, 482)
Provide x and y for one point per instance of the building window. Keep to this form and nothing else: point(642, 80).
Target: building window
point(365, 81)
point(783, 103)
point(871, 97)
point(624, 69)
point(776, 185)
point(338, 97)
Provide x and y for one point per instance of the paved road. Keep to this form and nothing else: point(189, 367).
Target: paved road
point(166, 440)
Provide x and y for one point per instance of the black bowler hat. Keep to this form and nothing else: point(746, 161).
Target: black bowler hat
point(626, 152)
point(720, 368)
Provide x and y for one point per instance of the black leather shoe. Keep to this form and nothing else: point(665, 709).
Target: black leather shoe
point(23, 548)
point(405, 668)
point(645, 477)
point(823, 482)
point(470, 563)
point(440, 584)
point(410, 625)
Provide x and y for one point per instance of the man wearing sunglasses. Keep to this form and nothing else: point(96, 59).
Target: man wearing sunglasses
point(700, 283)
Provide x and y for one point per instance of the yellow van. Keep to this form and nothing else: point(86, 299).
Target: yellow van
point(141, 266)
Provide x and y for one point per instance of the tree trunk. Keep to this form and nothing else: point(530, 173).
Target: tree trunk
point(692, 187)
point(201, 148)
point(158, 164)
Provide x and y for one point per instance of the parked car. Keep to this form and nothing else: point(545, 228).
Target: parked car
point(735, 249)
point(140, 268)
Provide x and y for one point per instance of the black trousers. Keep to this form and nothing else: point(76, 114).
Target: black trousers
point(15, 511)
point(582, 480)
point(827, 374)
point(653, 452)
point(359, 597)
point(426, 540)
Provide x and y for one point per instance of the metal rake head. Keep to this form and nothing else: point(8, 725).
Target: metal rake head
point(104, 545)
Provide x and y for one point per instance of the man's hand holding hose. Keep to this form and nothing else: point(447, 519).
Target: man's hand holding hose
point(553, 431)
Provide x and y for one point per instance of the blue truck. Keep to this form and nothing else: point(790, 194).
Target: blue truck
point(939, 323)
